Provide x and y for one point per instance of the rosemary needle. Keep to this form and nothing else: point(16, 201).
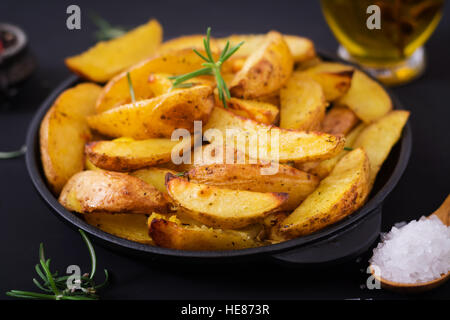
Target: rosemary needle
point(130, 87)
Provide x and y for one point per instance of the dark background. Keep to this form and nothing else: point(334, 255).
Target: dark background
point(26, 221)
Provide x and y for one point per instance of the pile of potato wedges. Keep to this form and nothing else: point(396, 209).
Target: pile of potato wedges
point(107, 153)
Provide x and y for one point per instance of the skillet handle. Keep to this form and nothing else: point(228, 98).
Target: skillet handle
point(342, 246)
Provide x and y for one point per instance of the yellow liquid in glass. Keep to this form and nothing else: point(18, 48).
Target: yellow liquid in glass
point(405, 26)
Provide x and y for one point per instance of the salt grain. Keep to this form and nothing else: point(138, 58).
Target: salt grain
point(415, 252)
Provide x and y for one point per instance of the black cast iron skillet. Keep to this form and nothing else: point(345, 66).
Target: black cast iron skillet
point(343, 240)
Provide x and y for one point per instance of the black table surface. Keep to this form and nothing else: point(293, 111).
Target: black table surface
point(26, 221)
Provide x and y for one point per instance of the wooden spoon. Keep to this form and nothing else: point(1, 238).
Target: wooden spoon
point(442, 213)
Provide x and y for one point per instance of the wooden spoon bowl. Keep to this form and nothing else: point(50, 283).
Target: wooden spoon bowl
point(443, 213)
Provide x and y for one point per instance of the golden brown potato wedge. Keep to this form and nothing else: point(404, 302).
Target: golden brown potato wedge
point(148, 78)
point(323, 168)
point(63, 133)
point(302, 104)
point(106, 191)
point(123, 225)
point(125, 154)
point(266, 70)
point(210, 154)
point(250, 177)
point(368, 100)
point(222, 208)
point(339, 120)
point(379, 138)
point(154, 176)
point(112, 96)
point(335, 78)
point(169, 234)
point(256, 110)
point(292, 145)
point(337, 196)
point(108, 58)
point(302, 49)
point(157, 117)
point(194, 41)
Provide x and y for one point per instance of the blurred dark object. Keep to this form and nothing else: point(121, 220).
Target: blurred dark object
point(16, 62)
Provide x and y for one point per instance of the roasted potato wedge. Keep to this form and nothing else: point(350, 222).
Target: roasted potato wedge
point(263, 112)
point(335, 78)
point(148, 78)
point(339, 120)
point(368, 100)
point(302, 49)
point(379, 138)
point(323, 168)
point(113, 96)
point(154, 176)
point(132, 227)
point(266, 70)
point(114, 192)
point(250, 177)
point(292, 145)
point(170, 234)
point(194, 41)
point(66, 121)
point(108, 58)
point(125, 154)
point(338, 195)
point(210, 154)
point(302, 104)
point(222, 208)
point(157, 117)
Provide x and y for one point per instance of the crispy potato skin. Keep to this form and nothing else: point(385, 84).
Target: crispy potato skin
point(379, 138)
point(113, 192)
point(125, 155)
point(335, 78)
point(132, 227)
point(66, 121)
point(368, 100)
point(149, 78)
point(169, 234)
point(157, 117)
point(108, 58)
point(266, 70)
point(302, 104)
point(337, 196)
point(293, 145)
point(222, 208)
point(296, 183)
point(339, 120)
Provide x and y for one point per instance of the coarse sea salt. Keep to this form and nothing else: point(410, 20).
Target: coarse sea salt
point(415, 252)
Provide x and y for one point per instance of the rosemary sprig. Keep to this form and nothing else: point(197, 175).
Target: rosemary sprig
point(130, 88)
point(348, 149)
point(13, 154)
point(105, 30)
point(55, 287)
point(211, 67)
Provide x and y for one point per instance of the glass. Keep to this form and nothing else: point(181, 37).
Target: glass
point(393, 53)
